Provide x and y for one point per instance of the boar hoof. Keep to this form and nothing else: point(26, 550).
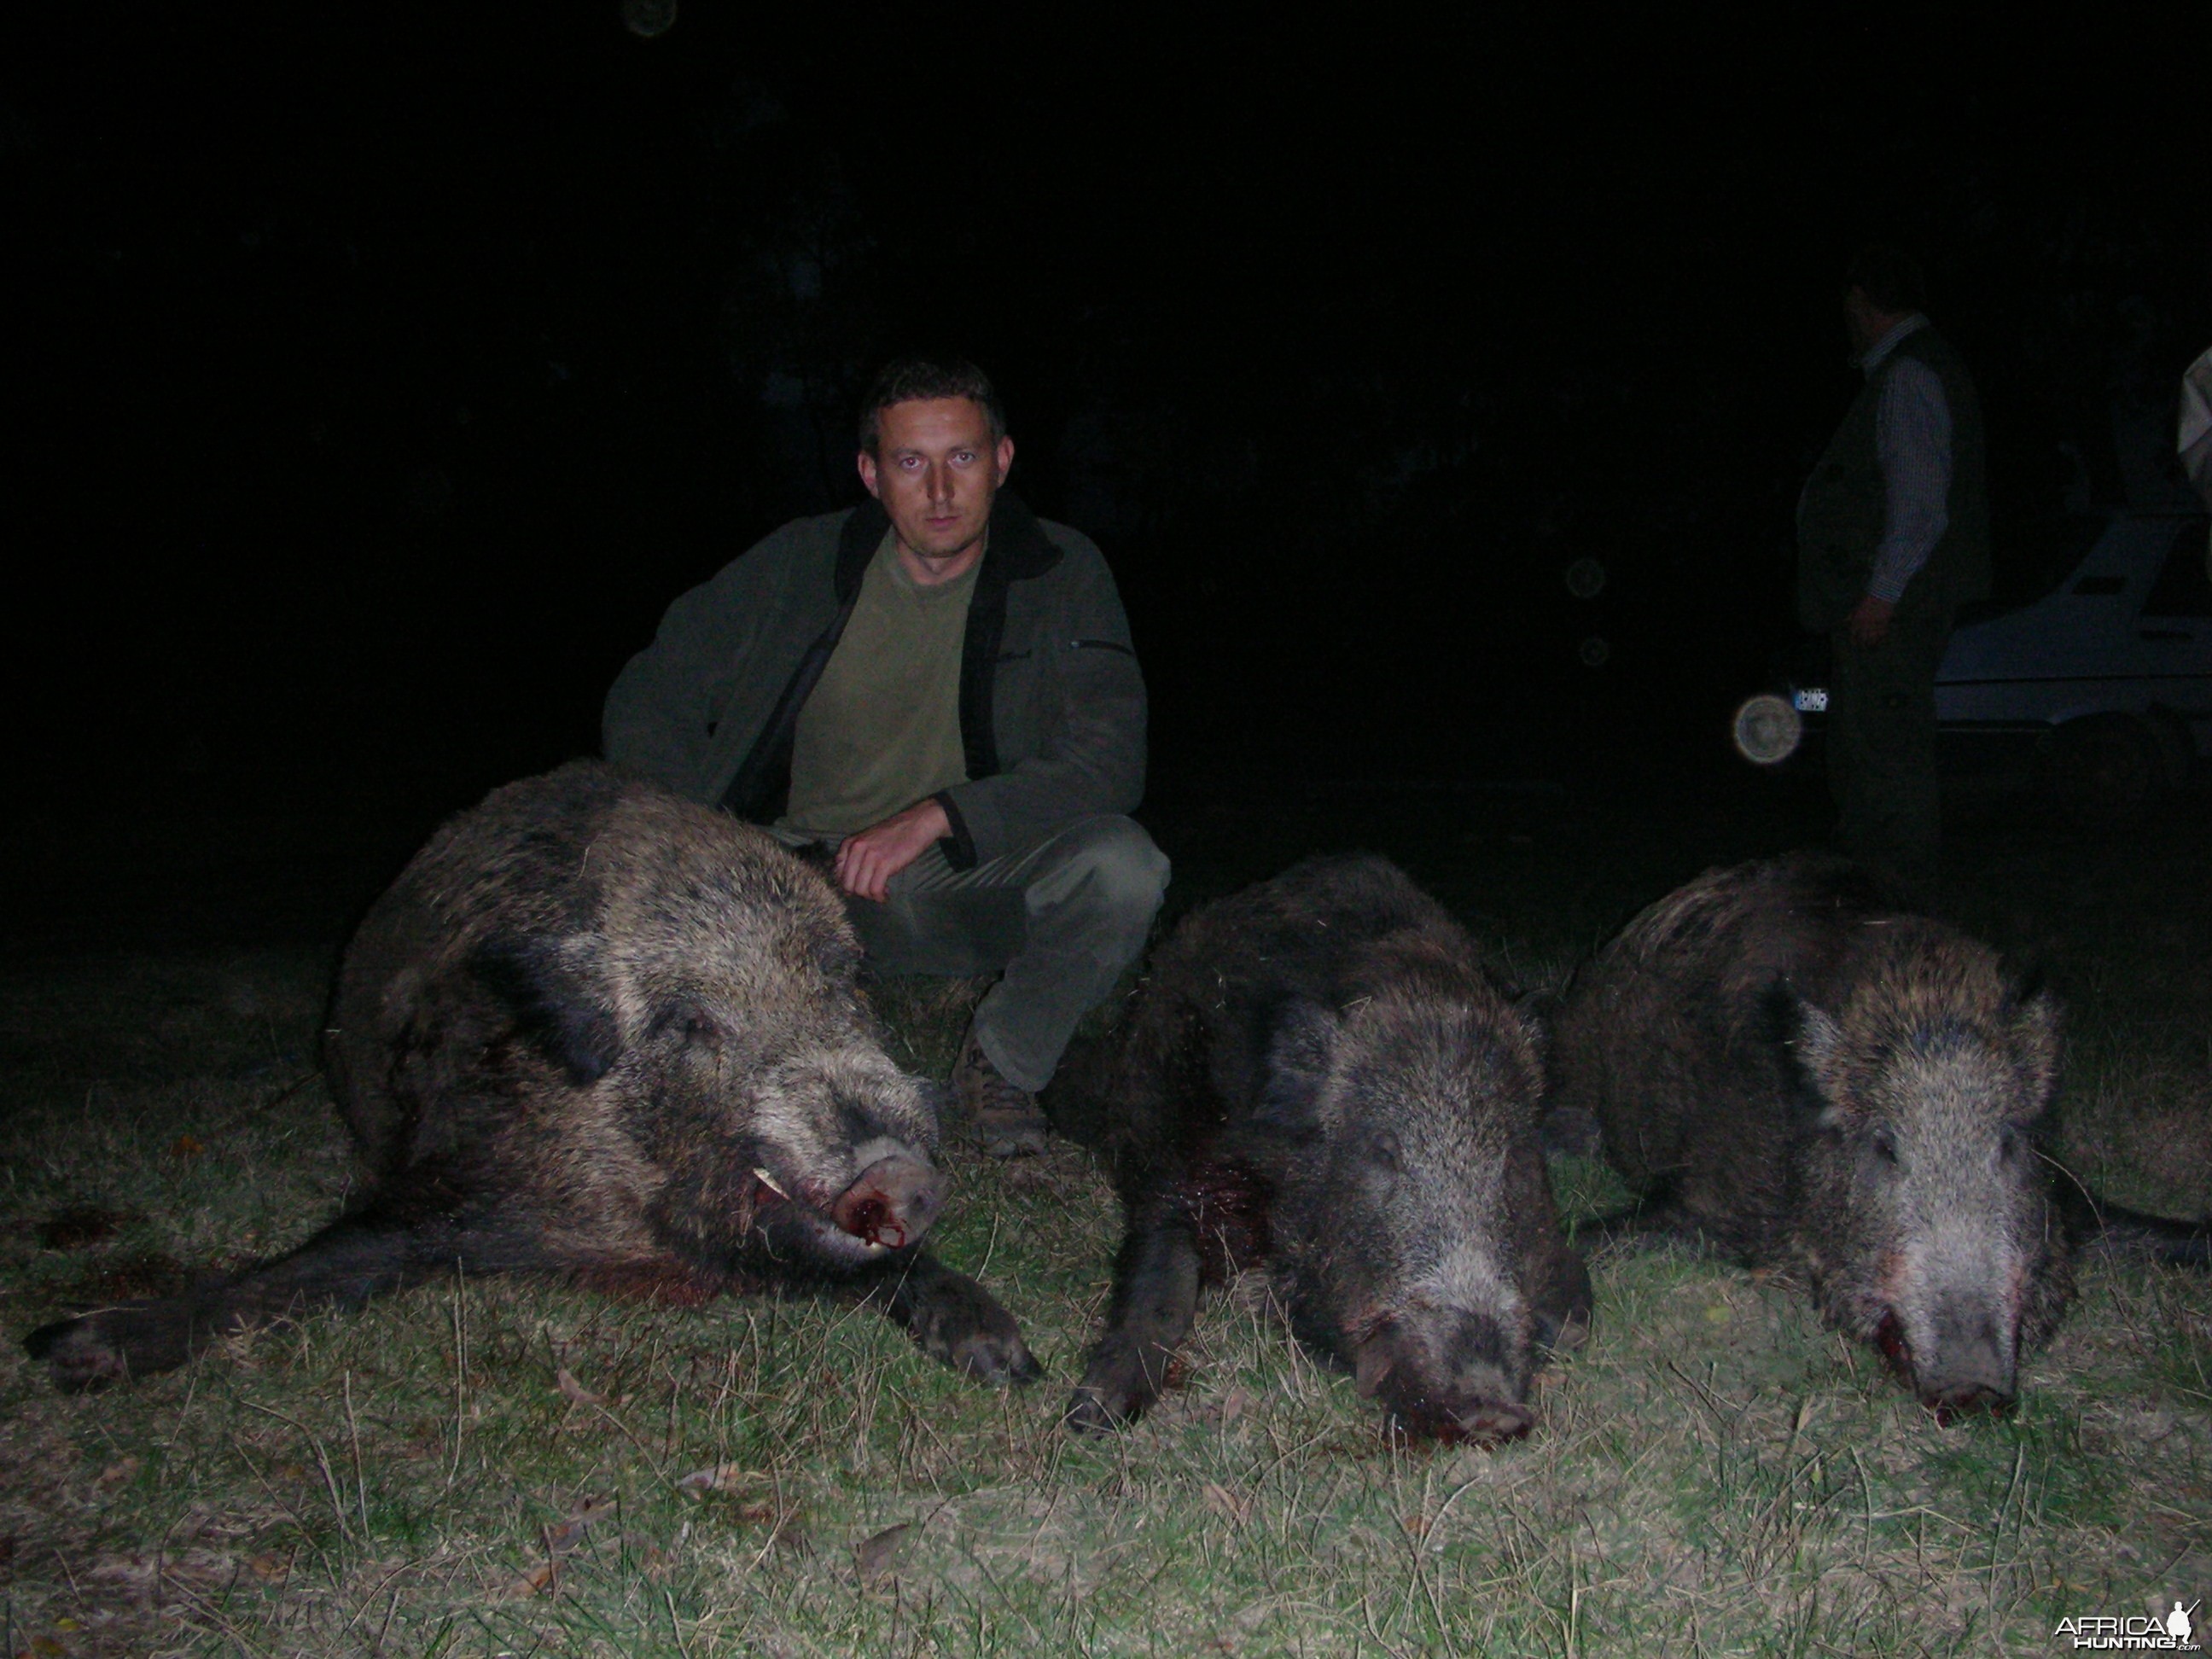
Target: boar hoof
point(78, 1355)
point(1118, 1386)
point(76, 1359)
point(1564, 1333)
point(1000, 1359)
point(1092, 1410)
point(957, 1323)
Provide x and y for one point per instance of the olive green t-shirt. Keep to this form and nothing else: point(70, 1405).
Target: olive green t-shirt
point(882, 729)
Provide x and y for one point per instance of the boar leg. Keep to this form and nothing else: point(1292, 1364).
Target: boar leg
point(381, 1249)
point(1554, 1282)
point(1155, 1299)
point(954, 1321)
point(2094, 1223)
point(1561, 1299)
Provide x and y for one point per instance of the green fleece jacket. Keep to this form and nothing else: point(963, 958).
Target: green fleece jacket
point(1051, 701)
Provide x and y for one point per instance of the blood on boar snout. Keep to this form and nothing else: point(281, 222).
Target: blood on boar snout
point(893, 1201)
point(1448, 1374)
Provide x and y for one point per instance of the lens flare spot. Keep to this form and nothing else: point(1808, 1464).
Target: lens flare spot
point(1766, 730)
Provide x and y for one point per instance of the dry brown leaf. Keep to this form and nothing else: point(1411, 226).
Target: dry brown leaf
point(141, 1571)
point(878, 1556)
point(1226, 1504)
point(573, 1391)
point(536, 1582)
point(269, 1565)
point(565, 1534)
point(187, 1147)
point(721, 1477)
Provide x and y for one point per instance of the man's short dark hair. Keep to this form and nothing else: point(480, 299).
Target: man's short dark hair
point(905, 380)
point(1889, 276)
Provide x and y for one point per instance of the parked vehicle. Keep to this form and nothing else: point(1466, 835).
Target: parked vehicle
point(2099, 685)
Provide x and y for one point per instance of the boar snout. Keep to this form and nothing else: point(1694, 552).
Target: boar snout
point(1444, 1376)
point(1962, 1367)
point(892, 1202)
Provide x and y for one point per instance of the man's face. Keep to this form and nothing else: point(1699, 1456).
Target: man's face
point(1863, 321)
point(936, 470)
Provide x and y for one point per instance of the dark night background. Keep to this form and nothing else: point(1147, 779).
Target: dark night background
point(379, 375)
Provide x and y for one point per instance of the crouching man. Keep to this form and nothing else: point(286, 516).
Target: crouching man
point(941, 686)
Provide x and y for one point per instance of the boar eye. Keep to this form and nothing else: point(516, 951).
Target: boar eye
point(2010, 1142)
point(1383, 1150)
point(1884, 1140)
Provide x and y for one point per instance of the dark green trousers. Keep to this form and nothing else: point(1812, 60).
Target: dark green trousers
point(1881, 750)
point(1062, 919)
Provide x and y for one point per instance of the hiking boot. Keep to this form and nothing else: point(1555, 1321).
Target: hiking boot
point(1006, 1119)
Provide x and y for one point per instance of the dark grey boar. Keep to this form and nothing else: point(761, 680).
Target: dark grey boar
point(595, 1029)
point(1318, 1074)
point(1808, 1077)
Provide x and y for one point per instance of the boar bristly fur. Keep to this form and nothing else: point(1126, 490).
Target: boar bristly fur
point(598, 1029)
point(1782, 1063)
point(1319, 1075)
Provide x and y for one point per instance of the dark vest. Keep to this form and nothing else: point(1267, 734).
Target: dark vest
point(1839, 519)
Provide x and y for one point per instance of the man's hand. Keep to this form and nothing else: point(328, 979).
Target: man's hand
point(1868, 623)
point(867, 861)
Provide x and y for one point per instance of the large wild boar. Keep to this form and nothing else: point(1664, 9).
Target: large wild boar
point(1319, 1075)
point(595, 1029)
point(1778, 1061)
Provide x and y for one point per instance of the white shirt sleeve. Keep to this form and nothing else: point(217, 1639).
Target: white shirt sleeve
point(2194, 437)
point(1912, 439)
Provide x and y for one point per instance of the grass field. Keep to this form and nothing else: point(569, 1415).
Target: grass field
point(507, 1466)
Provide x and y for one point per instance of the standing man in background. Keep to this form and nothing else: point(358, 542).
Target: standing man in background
point(1892, 536)
point(941, 687)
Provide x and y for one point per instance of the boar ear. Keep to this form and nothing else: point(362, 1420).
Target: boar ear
point(1297, 1063)
point(2036, 1019)
point(551, 1003)
point(1810, 1044)
point(1538, 1009)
